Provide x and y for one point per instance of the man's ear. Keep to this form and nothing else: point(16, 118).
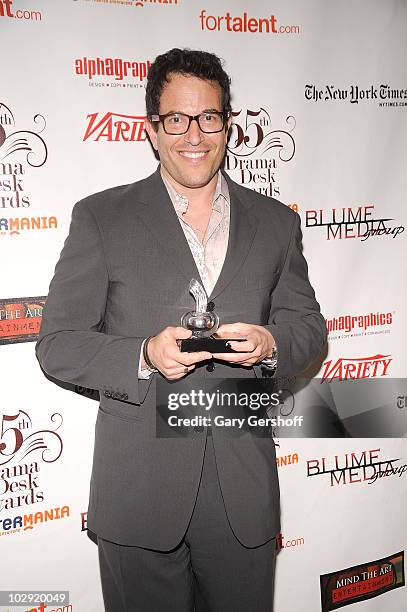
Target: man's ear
point(152, 134)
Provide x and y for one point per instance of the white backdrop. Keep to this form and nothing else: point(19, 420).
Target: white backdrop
point(322, 103)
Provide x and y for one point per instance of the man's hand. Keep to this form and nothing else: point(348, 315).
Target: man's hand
point(165, 355)
point(258, 345)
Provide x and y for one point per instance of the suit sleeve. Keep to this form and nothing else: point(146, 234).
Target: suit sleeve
point(295, 320)
point(72, 346)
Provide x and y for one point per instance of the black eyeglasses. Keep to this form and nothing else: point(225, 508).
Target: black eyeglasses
point(178, 123)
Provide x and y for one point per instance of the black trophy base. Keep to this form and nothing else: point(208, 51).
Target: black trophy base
point(211, 344)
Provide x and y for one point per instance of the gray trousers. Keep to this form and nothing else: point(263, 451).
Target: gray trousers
point(209, 571)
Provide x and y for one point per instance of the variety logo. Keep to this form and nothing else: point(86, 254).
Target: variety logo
point(255, 150)
point(7, 11)
point(351, 326)
point(358, 222)
point(19, 477)
point(19, 150)
point(244, 23)
point(357, 367)
point(20, 319)
point(364, 466)
point(115, 68)
point(115, 127)
point(384, 94)
point(361, 582)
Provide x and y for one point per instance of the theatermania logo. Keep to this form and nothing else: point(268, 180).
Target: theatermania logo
point(256, 148)
point(22, 151)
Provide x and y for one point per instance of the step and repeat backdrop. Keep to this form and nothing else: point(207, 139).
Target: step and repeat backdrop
point(320, 105)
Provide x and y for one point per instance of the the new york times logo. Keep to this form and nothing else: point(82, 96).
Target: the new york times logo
point(364, 466)
point(352, 222)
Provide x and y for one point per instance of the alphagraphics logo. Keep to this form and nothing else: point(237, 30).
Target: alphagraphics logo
point(111, 72)
point(353, 326)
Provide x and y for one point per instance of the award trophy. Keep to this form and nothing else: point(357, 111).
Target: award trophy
point(203, 324)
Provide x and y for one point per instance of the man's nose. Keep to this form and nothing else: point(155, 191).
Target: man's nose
point(194, 135)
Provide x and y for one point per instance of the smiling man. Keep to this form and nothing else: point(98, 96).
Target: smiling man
point(188, 523)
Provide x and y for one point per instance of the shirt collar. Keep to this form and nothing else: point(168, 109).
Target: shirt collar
point(221, 197)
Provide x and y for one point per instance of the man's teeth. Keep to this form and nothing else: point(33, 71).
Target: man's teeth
point(193, 154)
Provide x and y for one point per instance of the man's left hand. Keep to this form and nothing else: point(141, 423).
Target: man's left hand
point(258, 344)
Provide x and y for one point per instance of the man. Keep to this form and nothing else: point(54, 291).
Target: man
point(188, 521)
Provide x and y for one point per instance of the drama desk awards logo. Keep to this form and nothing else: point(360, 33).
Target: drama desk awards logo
point(256, 149)
point(22, 151)
point(24, 450)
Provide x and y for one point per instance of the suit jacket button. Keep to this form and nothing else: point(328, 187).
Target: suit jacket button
point(107, 393)
point(210, 367)
point(211, 306)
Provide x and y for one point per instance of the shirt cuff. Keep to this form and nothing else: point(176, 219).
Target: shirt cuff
point(143, 373)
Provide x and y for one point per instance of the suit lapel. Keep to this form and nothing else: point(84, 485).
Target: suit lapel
point(160, 217)
point(243, 227)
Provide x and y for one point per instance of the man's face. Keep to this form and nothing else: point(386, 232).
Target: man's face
point(191, 160)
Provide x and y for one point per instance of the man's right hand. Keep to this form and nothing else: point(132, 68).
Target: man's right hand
point(165, 355)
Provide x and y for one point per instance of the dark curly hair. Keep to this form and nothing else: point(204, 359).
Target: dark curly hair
point(201, 64)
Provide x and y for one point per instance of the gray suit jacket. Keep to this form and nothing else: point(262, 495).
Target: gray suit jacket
point(123, 275)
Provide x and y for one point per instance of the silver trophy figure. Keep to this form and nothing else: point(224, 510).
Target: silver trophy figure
point(203, 324)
